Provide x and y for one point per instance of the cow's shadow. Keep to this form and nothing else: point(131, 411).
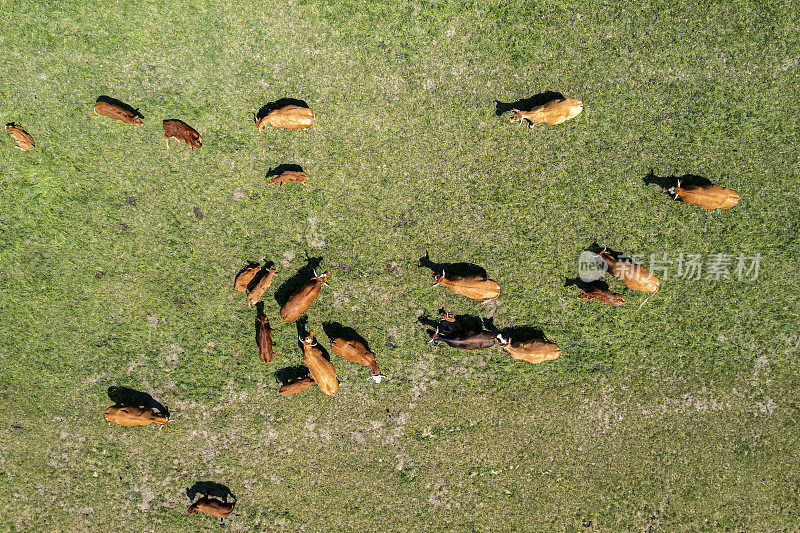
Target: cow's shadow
point(600, 284)
point(210, 488)
point(460, 325)
point(126, 396)
point(523, 333)
point(285, 167)
point(291, 373)
point(120, 103)
point(666, 182)
point(335, 330)
point(526, 104)
point(277, 104)
point(451, 269)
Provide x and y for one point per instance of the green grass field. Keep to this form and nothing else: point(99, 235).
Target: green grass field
point(681, 416)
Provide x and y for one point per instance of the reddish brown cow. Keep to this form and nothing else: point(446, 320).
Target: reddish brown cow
point(180, 130)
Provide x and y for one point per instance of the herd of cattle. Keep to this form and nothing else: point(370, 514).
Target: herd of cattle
point(255, 280)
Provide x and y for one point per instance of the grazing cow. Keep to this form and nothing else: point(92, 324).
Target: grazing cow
point(110, 110)
point(301, 299)
point(292, 117)
point(553, 112)
point(178, 129)
point(24, 141)
point(212, 506)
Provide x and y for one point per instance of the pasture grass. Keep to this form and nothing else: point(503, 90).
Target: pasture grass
point(679, 416)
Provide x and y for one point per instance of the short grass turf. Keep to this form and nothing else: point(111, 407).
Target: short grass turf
point(117, 259)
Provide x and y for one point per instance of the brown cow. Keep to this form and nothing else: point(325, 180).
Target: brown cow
point(602, 295)
point(292, 117)
point(245, 277)
point(472, 286)
point(296, 385)
point(132, 415)
point(553, 112)
point(301, 299)
point(265, 351)
point(180, 130)
point(261, 287)
point(110, 110)
point(24, 141)
point(706, 196)
point(321, 370)
point(635, 276)
point(532, 351)
point(212, 506)
point(355, 352)
point(290, 176)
